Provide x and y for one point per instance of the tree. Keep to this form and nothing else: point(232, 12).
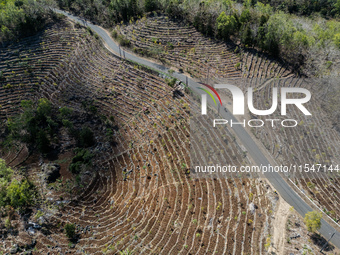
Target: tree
point(37, 123)
point(14, 193)
point(70, 230)
point(246, 36)
point(313, 221)
point(86, 137)
point(20, 193)
point(44, 108)
point(151, 5)
point(5, 177)
point(245, 16)
point(279, 33)
point(22, 17)
point(337, 7)
point(5, 172)
point(82, 158)
point(226, 25)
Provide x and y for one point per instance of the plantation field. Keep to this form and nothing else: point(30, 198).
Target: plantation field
point(138, 194)
point(181, 46)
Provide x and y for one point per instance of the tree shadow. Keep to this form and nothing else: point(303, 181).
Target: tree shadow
point(320, 241)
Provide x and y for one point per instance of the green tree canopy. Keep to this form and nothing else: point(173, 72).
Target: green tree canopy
point(22, 17)
point(313, 221)
point(18, 194)
point(5, 172)
point(226, 25)
point(70, 230)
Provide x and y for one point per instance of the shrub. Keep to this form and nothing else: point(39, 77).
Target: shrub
point(14, 193)
point(82, 158)
point(65, 112)
point(251, 195)
point(171, 82)
point(8, 224)
point(114, 34)
point(5, 172)
point(336, 39)
point(38, 214)
point(310, 185)
point(123, 41)
point(268, 243)
point(20, 193)
point(70, 230)
point(126, 252)
point(85, 137)
point(171, 46)
point(37, 123)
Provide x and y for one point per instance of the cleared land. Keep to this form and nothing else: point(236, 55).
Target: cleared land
point(314, 141)
point(138, 196)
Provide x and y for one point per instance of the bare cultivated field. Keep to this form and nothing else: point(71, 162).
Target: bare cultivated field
point(181, 46)
point(313, 141)
point(138, 195)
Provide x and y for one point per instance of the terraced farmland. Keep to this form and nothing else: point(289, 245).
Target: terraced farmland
point(314, 141)
point(140, 196)
point(25, 65)
point(180, 45)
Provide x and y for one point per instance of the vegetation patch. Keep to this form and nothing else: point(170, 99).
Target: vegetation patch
point(81, 159)
point(22, 17)
point(15, 193)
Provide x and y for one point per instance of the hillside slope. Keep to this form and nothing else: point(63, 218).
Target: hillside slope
point(137, 195)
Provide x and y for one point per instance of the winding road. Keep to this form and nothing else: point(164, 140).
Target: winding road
point(281, 186)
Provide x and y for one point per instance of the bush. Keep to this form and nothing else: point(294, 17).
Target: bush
point(114, 34)
point(38, 214)
point(5, 172)
point(70, 230)
point(86, 137)
point(36, 122)
point(14, 193)
point(82, 158)
point(8, 224)
point(171, 82)
point(126, 252)
point(123, 41)
point(20, 193)
point(65, 112)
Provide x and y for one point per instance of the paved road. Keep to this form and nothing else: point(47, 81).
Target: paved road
point(281, 186)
